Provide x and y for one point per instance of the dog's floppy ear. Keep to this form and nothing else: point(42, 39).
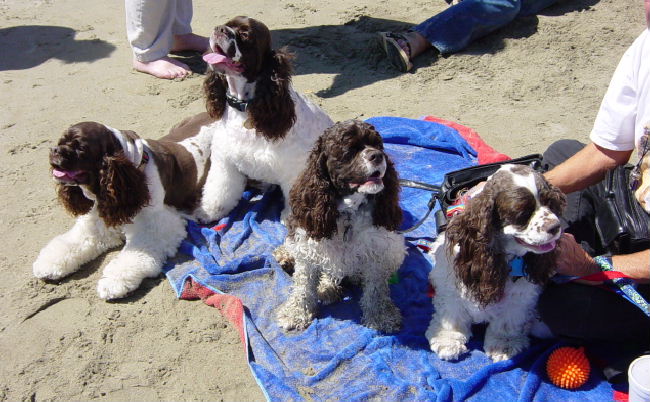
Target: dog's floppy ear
point(480, 263)
point(312, 197)
point(272, 110)
point(552, 197)
point(387, 212)
point(74, 200)
point(123, 190)
point(215, 88)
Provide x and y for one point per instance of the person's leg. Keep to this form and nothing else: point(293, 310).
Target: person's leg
point(449, 31)
point(590, 315)
point(184, 39)
point(530, 7)
point(456, 27)
point(149, 31)
point(579, 215)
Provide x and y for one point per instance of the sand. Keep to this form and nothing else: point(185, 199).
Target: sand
point(538, 80)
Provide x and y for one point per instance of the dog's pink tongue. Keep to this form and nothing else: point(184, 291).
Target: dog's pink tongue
point(547, 247)
point(373, 180)
point(214, 58)
point(218, 58)
point(68, 174)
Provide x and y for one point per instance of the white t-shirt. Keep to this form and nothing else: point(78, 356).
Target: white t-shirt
point(625, 109)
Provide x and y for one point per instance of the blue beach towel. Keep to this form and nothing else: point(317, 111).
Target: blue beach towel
point(336, 358)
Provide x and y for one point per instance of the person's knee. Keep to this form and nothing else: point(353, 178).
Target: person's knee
point(508, 7)
point(561, 150)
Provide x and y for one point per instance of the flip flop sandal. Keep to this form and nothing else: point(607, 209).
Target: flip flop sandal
point(394, 52)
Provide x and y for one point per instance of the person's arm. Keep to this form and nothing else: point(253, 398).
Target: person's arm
point(572, 260)
point(635, 265)
point(585, 168)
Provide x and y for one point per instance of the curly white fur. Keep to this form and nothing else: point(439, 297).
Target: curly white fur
point(239, 153)
point(358, 250)
point(455, 311)
point(509, 319)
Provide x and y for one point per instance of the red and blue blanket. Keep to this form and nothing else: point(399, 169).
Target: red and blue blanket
point(230, 266)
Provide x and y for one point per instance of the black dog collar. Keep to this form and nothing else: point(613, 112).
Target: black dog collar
point(236, 103)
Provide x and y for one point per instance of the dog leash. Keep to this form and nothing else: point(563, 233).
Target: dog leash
point(441, 216)
point(435, 192)
point(611, 280)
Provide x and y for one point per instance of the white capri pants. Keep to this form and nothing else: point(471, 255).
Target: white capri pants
point(152, 24)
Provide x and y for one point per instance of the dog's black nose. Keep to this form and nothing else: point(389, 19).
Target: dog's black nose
point(553, 228)
point(223, 30)
point(55, 156)
point(374, 156)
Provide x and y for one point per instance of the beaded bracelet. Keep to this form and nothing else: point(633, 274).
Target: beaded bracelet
point(604, 262)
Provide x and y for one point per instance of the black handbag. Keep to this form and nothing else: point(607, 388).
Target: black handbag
point(458, 181)
point(621, 223)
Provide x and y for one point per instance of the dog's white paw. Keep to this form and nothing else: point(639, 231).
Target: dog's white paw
point(290, 318)
point(204, 217)
point(388, 319)
point(505, 348)
point(329, 292)
point(45, 268)
point(113, 288)
point(207, 215)
point(448, 345)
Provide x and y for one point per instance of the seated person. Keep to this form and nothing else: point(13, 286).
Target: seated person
point(455, 28)
point(577, 311)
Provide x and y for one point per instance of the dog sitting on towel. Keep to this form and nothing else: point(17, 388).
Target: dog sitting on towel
point(343, 224)
point(124, 189)
point(478, 274)
point(263, 128)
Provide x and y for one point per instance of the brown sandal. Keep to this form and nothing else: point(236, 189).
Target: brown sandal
point(394, 52)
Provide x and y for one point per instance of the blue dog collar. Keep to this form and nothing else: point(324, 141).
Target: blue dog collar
point(517, 267)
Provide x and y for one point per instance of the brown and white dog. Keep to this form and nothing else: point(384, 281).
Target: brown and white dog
point(122, 187)
point(343, 224)
point(515, 215)
point(264, 129)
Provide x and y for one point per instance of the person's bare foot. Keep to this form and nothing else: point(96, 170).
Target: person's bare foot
point(417, 44)
point(165, 67)
point(190, 41)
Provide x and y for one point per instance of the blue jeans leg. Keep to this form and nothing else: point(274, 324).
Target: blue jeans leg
point(530, 7)
point(455, 28)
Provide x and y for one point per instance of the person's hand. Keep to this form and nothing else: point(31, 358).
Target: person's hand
point(572, 259)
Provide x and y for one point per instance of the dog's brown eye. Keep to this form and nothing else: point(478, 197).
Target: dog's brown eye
point(522, 217)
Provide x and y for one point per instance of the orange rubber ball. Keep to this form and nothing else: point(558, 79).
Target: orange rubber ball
point(568, 367)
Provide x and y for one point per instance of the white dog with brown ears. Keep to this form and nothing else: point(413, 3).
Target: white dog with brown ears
point(264, 129)
point(124, 189)
point(513, 220)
